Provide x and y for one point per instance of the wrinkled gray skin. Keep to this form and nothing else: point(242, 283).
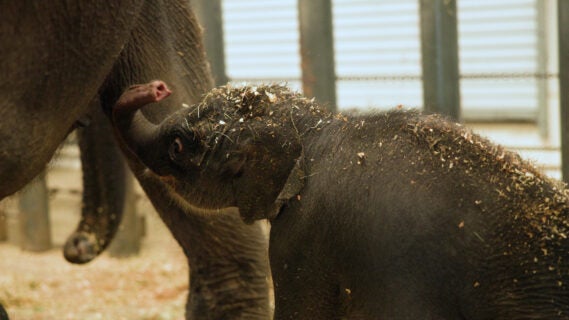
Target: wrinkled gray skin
point(104, 183)
point(59, 60)
point(395, 215)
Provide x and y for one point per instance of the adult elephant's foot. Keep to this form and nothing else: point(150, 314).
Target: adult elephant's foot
point(81, 247)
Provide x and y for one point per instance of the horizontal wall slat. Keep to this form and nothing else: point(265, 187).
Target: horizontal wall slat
point(377, 51)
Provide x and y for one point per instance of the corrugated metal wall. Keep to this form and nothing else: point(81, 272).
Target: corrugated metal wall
point(377, 47)
point(378, 53)
point(498, 58)
point(262, 41)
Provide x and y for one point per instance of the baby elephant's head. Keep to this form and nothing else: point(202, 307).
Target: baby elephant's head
point(237, 147)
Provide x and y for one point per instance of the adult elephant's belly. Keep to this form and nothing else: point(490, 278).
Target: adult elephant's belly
point(51, 66)
point(27, 146)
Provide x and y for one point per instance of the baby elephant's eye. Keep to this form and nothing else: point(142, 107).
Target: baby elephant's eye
point(176, 147)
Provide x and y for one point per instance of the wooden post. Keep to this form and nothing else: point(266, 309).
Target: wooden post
point(317, 51)
point(209, 15)
point(439, 47)
point(127, 241)
point(563, 33)
point(34, 216)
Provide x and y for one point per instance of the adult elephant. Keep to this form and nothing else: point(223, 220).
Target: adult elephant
point(59, 59)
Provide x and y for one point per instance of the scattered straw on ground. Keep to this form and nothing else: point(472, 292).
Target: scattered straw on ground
point(43, 286)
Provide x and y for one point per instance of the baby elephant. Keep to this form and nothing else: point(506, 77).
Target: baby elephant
point(394, 215)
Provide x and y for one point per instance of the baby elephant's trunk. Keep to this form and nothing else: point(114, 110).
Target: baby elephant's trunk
point(139, 95)
point(137, 132)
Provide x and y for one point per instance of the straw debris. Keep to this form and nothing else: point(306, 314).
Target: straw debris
point(538, 204)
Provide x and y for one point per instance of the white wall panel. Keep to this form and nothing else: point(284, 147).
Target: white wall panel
point(261, 40)
point(378, 52)
point(498, 39)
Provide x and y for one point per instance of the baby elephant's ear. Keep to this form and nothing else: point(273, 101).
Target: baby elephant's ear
point(242, 158)
point(234, 166)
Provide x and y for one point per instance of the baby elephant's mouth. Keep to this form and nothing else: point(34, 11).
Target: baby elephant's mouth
point(169, 180)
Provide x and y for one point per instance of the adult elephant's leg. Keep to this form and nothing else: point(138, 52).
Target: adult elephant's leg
point(228, 259)
point(104, 179)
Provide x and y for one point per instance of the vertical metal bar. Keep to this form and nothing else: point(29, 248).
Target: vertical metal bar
point(209, 14)
point(317, 51)
point(35, 228)
point(542, 81)
point(563, 34)
point(439, 47)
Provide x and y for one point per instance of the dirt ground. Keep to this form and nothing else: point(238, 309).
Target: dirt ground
point(43, 286)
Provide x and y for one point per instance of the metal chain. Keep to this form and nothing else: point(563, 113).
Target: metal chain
point(505, 76)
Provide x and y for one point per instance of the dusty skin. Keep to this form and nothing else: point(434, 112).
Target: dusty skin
point(399, 215)
point(43, 286)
